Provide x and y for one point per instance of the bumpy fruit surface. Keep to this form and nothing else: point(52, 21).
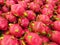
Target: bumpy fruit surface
point(17, 9)
point(3, 23)
point(30, 15)
point(16, 30)
point(24, 22)
point(9, 40)
point(10, 17)
point(33, 39)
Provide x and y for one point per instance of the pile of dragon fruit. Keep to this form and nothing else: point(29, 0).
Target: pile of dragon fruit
point(29, 22)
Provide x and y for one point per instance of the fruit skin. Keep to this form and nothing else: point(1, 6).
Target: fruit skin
point(45, 39)
point(33, 39)
point(9, 2)
point(0, 12)
point(9, 40)
point(57, 17)
point(52, 2)
point(56, 25)
point(23, 4)
point(10, 17)
point(34, 6)
point(30, 15)
point(3, 23)
point(24, 22)
point(27, 1)
point(47, 11)
point(55, 36)
point(5, 9)
point(2, 2)
point(49, 6)
point(40, 2)
point(17, 10)
point(39, 27)
point(52, 43)
point(44, 18)
point(58, 10)
point(16, 30)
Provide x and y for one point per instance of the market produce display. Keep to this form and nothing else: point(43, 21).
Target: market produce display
point(29, 22)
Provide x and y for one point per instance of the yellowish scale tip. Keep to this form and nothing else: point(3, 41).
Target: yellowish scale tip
point(23, 43)
point(47, 0)
point(1, 38)
point(32, 24)
point(29, 37)
point(52, 25)
point(44, 24)
point(12, 37)
point(55, 12)
point(19, 20)
point(8, 13)
point(22, 38)
point(17, 44)
point(57, 19)
point(43, 33)
point(49, 35)
point(16, 30)
point(10, 24)
point(16, 14)
point(25, 14)
point(54, 16)
point(7, 32)
point(46, 6)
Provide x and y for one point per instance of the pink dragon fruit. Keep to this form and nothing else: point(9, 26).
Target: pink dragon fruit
point(9, 2)
point(44, 18)
point(16, 30)
point(9, 40)
point(17, 9)
point(3, 23)
point(24, 22)
point(33, 39)
point(30, 15)
point(39, 27)
point(10, 17)
point(34, 6)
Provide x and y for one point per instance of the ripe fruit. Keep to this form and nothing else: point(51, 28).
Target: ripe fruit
point(33, 39)
point(9, 2)
point(3, 23)
point(16, 30)
point(23, 4)
point(10, 17)
point(44, 18)
point(35, 7)
point(56, 25)
point(17, 10)
point(45, 39)
point(9, 40)
point(39, 27)
point(24, 22)
point(30, 15)
point(55, 36)
point(47, 11)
